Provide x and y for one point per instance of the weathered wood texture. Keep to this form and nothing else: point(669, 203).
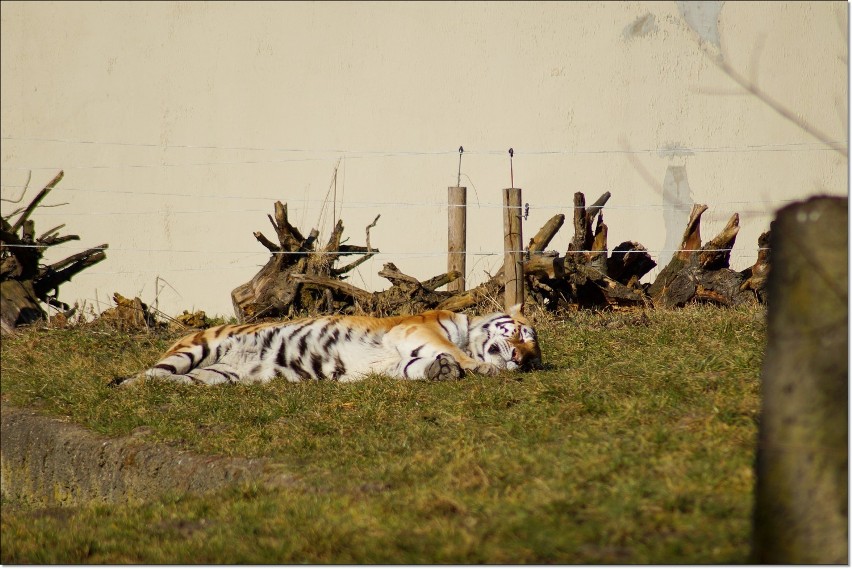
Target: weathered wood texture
point(274, 293)
point(585, 276)
point(301, 278)
point(513, 270)
point(702, 273)
point(801, 514)
point(456, 236)
point(25, 282)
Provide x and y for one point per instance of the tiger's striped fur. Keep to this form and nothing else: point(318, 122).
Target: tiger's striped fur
point(436, 344)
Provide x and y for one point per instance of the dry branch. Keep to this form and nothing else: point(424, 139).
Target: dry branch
point(548, 231)
point(36, 201)
point(368, 250)
point(26, 283)
point(303, 279)
point(336, 285)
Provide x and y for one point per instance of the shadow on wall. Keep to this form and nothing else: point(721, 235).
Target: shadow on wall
point(677, 203)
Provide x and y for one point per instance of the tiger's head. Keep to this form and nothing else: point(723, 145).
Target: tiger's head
point(505, 339)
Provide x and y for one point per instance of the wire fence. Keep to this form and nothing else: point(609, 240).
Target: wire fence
point(217, 259)
point(564, 206)
point(662, 150)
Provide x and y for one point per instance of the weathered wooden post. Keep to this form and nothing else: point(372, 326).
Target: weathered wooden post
point(513, 269)
point(457, 231)
point(801, 494)
point(456, 235)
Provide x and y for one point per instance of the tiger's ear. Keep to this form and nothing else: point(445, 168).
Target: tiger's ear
point(516, 310)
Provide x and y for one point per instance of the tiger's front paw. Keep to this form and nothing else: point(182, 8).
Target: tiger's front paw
point(126, 381)
point(444, 368)
point(485, 368)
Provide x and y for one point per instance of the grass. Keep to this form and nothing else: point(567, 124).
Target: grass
point(634, 445)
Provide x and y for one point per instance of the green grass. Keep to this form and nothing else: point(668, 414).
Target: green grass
point(634, 445)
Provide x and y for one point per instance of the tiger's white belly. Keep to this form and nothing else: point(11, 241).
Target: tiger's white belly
point(342, 362)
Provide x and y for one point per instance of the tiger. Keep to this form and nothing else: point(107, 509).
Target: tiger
point(433, 345)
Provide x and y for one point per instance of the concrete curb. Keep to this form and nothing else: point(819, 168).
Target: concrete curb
point(47, 462)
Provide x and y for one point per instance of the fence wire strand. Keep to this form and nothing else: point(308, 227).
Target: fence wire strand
point(294, 155)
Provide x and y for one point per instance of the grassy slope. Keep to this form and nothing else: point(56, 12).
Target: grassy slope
point(635, 444)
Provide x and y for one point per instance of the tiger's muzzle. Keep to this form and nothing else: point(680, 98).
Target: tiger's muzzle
point(527, 358)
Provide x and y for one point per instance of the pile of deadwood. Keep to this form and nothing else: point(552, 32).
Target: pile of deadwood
point(303, 276)
point(26, 282)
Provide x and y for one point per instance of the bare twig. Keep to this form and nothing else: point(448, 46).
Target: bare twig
point(369, 227)
point(49, 231)
point(370, 252)
point(752, 87)
point(20, 209)
point(33, 204)
point(781, 109)
point(23, 193)
point(266, 242)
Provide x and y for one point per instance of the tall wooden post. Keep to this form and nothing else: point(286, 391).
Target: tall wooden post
point(802, 468)
point(456, 235)
point(513, 269)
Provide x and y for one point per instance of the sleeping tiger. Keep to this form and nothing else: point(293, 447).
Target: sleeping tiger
point(437, 345)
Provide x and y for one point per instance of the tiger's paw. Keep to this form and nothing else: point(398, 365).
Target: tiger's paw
point(485, 368)
point(125, 381)
point(444, 368)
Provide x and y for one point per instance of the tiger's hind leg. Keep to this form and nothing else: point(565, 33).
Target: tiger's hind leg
point(173, 366)
point(213, 374)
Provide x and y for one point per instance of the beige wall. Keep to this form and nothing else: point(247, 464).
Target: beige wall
point(209, 100)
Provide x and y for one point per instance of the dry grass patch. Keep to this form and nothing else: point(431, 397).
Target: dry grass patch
point(634, 445)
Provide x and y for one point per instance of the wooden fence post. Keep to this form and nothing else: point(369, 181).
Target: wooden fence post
point(801, 491)
point(513, 269)
point(456, 235)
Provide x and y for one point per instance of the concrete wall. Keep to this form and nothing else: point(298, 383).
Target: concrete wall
point(179, 124)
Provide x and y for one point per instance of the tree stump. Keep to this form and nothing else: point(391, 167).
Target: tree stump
point(702, 273)
point(586, 276)
point(26, 283)
point(274, 292)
